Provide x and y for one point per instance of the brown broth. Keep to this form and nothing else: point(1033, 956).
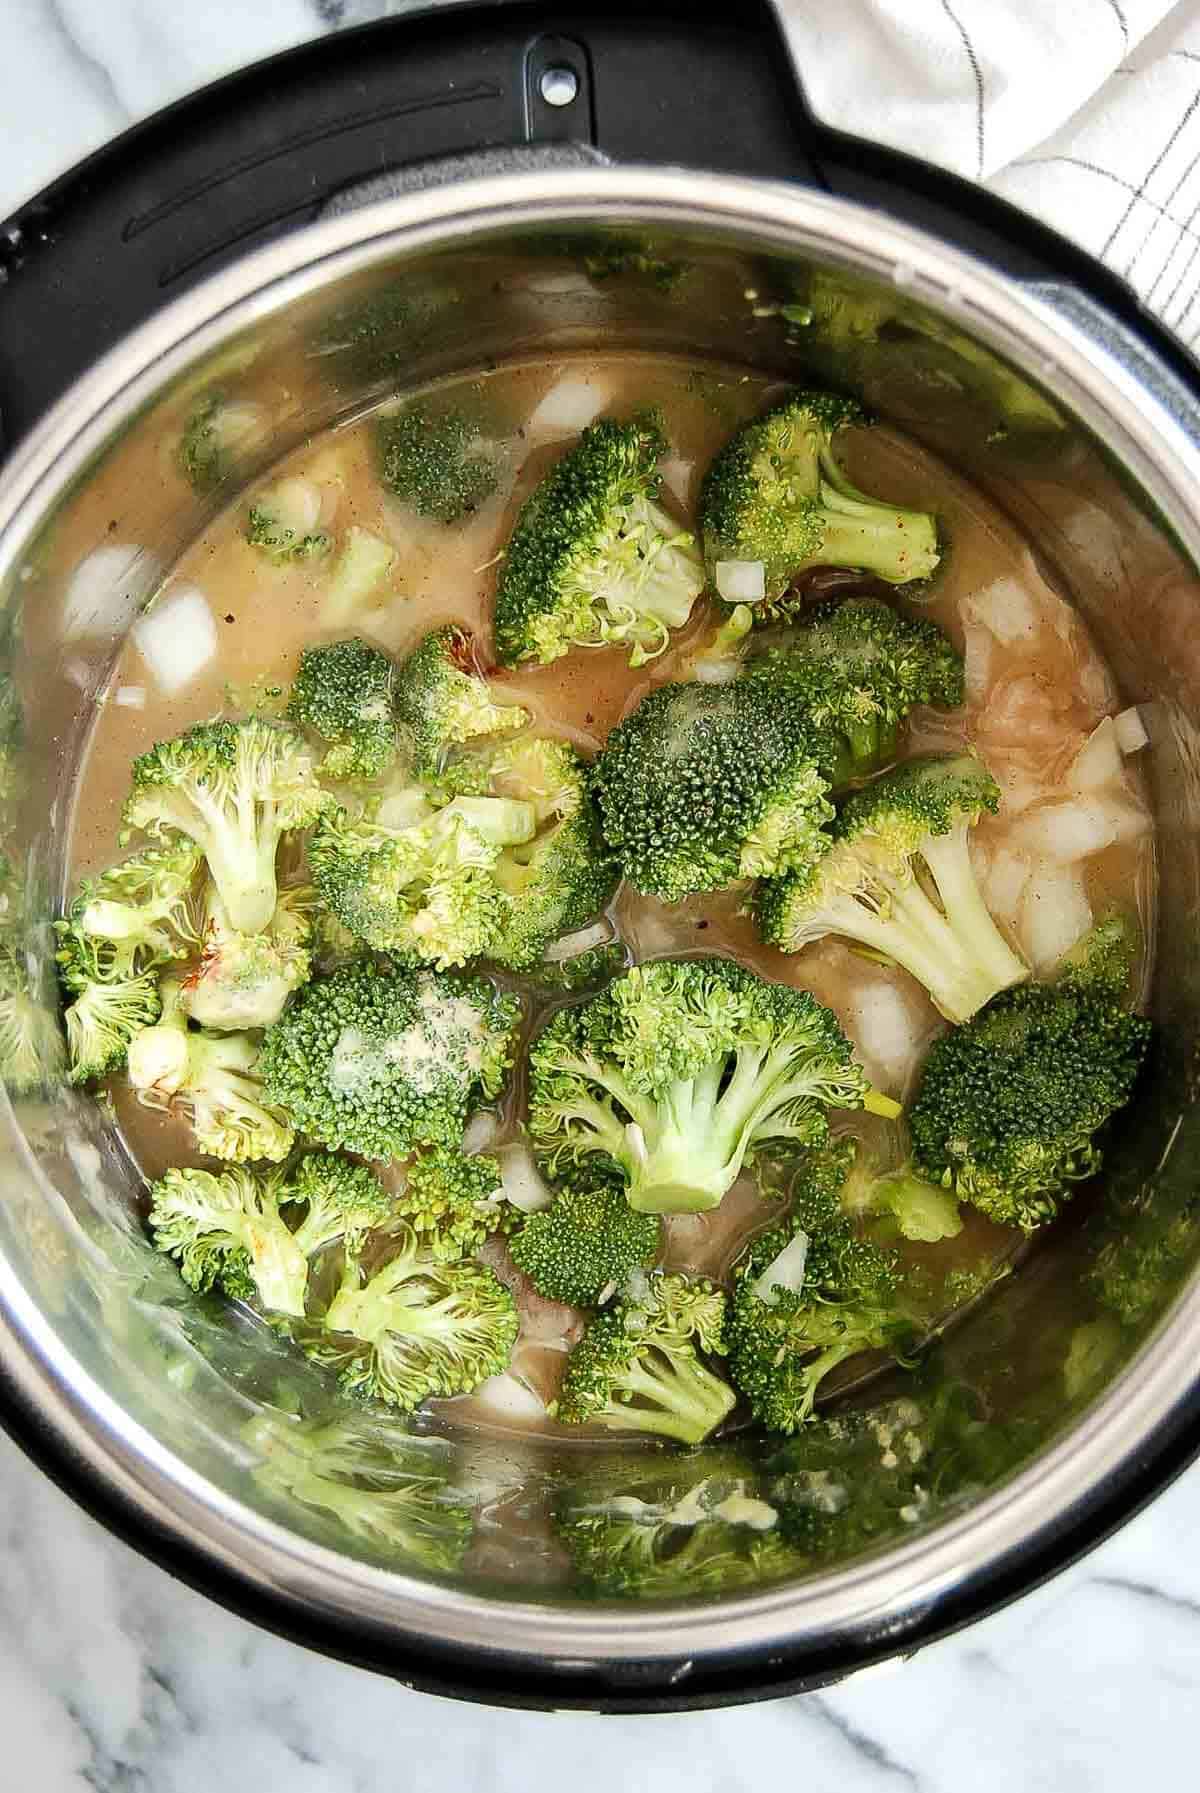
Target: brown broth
point(1029, 717)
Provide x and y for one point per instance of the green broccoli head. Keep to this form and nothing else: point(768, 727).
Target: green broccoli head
point(226, 1229)
point(284, 522)
point(436, 460)
point(587, 1241)
point(809, 1294)
point(380, 1487)
point(594, 560)
point(244, 980)
point(857, 669)
point(344, 693)
point(234, 788)
point(681, 1070)
point(101, 1023)
point(379, 1059)
point(452, 1202)
point(417, 1327)
point(672, 1527)
point(425, 890)
point(1104, 958)
point(776, 494)
point(135, 915)
point(443, 702)
point(911, 825)
point(563, 875)
point(706, 784)
point(638, 1366)
point(341, 1199)
point(1009, 1107)
point(214, 1079)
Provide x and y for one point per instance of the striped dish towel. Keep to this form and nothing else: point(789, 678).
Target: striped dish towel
point(1086, 112)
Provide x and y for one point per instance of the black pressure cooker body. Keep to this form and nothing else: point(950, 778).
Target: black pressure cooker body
point(427, 99)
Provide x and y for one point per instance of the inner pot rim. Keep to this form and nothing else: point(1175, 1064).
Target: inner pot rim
point(877, 1597)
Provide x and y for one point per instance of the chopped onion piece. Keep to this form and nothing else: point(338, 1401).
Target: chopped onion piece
point(506, 1396)
point(566, 408)
point(404, 809)
point(784, 1271)
point(886, 1031)
point(106, 590)
point(741, 581)
point(745, 1509)
point(1098, 761)
point(130, 697)
point(978, 647)
point(521, 1181)
point(1005, 880)
point(1130, 730)
point(178, 638)
point(481, 1131)
point(1006, 609)
point(1055, 913)
point(1064, 832)
point(570, 946)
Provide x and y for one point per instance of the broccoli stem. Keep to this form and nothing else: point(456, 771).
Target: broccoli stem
point(896, 545)
point(948, 857)
point(684, 1400)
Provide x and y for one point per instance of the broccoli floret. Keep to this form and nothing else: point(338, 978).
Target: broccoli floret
point(344, 693)
point(586, 1242)
point(443, 702)
point(594, 560)
point(1009, 1106)
point(417, 1327)
point(437, 461)
point(857, 669)
point(424, 889)
point(1136, 1273)
point(230, 1228)
point(363, 563)
point(215, 1079)
point(234, 788)
point(244, 980)
point(105, 1017)
point(31, 1042)
point(379, 1060)
point(679, 1526)
point(809, 1294)
point(284, 522)
point(342, 1200)
point(228, 1224)
point(561, 877)
point(638, 1367)
point(217, 430)
point(776, 494)
point(382, 1487)
point(1103, 959)
point(706, 784)
point(134, 915)
point(681, 1070)
point(910, 825)
point(452, 1202)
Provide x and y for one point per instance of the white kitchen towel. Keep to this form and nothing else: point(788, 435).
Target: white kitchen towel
point(1086, 112)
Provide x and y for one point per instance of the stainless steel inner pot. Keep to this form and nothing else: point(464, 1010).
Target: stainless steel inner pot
point(139, 1396)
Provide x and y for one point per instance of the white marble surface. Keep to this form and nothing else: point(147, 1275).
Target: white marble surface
point(114, 1678)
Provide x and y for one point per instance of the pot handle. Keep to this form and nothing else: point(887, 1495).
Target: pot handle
point(242, 162)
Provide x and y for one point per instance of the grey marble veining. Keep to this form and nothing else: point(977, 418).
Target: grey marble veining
point(116, 1679)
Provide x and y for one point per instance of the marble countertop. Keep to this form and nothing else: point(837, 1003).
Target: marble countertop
point(114, 1677)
